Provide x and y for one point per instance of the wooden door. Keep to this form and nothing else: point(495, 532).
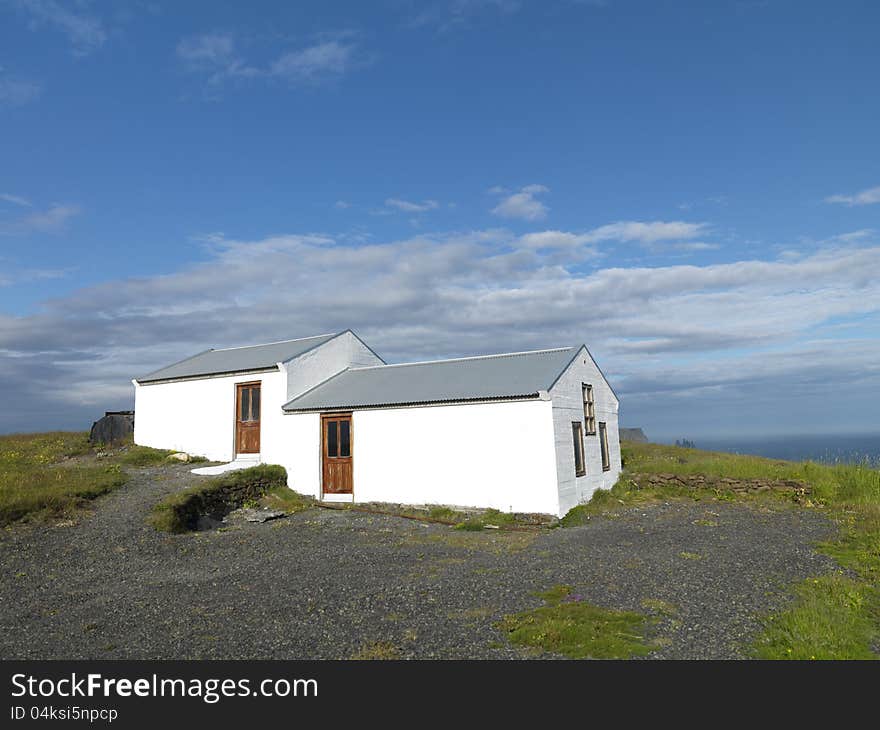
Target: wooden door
point(336, 446)
point(247, 418)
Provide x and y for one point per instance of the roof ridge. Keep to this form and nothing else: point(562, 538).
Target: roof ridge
point(461, 359)
point(276, 342)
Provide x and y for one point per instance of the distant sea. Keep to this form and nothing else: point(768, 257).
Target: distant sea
point(830, 449)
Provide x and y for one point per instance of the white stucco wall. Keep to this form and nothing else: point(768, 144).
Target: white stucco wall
point(198, 416)
point(483, 455)
point(296, 445)
point(316, 366)
point(567, 400)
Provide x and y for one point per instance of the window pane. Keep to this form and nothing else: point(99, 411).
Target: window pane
point(578, 438)
point(332, 443)
point(345, 438)
point(244, 414)
point(255, 403)
point(603, 441)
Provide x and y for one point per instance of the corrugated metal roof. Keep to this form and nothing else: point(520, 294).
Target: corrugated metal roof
point(237, 359)
point(491, 377)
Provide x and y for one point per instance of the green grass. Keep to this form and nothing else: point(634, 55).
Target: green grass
point(569, 626)
point(179, 512)
point(141, 456)
point(487, 517)
point(282, 497)
point(829, 484)
point(34, 483)
point(831, 617)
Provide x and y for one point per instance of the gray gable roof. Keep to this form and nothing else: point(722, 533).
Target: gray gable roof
point(237, 359)
point(491, 377)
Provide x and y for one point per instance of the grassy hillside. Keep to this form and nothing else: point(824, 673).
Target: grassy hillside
point(50, 473)
point(832, 617)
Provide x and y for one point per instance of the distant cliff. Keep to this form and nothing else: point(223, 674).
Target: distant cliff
point(633, 434)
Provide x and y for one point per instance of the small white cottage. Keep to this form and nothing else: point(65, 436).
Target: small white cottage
point(520, 432)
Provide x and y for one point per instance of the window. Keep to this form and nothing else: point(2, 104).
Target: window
point(589, 409)
point(249, 403)
point(332, 438)
point(580, 467)
point(603, 442)
point(338, 437)
point(345, 438)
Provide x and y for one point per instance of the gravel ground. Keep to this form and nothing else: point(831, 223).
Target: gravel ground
point(324, 583)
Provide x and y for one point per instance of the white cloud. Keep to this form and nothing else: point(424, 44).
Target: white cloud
point(15, 200)
point(553, 239)
point(447, 15)
point(647, 232)
point(410, 207)
point(207, 48)
point(865, 197)
point(15, 91)
point(25, 276)
point(50, 220)
point(85, 32)
point(330, 58)
point(522, 204)
point(695, 246)
point(341, 205)
point(216, 54)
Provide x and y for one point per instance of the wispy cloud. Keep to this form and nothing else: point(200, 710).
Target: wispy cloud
point(51, 220)
point(695, 246)
point(27, 276)
point(410, 207)
point(869, 196)
point(15, 200)
point(211, 49)
point(647, 232)
point(323, 60)
point(216, 55)
point(84, 31)
point(522, 204)
point(16, 91)
point(447, 15)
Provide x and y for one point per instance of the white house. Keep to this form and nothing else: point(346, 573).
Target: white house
point(520, 432)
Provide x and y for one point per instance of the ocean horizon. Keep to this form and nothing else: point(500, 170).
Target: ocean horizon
point(858, 448)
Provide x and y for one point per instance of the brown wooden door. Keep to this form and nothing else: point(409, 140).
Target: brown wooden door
point(336, 446)
point(247, 418)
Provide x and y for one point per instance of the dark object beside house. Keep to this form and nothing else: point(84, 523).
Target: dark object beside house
point(114, 428)
point(633, 434)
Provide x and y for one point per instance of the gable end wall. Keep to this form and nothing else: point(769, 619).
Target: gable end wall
point(325, 361)
point(567, 400)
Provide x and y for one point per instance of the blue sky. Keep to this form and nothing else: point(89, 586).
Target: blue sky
point(690, 188)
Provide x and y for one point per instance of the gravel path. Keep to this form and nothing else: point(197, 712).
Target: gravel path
point(324, 584)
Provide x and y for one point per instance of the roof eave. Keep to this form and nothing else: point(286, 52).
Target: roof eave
point(206, 376)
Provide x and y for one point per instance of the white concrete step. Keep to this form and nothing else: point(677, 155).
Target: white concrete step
point(240, 462)
point(338, 498)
